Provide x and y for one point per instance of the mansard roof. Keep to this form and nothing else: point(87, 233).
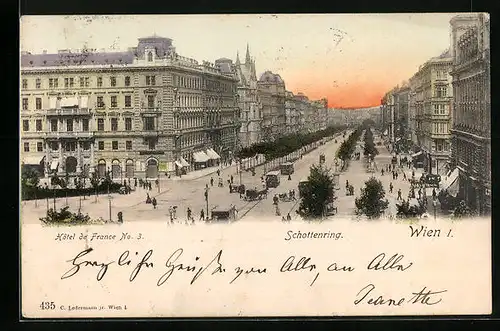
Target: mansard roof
point(82, 58)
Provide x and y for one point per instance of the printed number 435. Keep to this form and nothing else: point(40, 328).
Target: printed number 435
point(47, 305)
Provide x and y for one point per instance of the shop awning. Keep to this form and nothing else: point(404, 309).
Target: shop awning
point(184, 162)
point(54, 165)
point(453, 189)
point(178, 163)
point(416, 154)
point(33, 160)
point(200, 157)
point(212, 154)
point(69, 102)
point(450, 180)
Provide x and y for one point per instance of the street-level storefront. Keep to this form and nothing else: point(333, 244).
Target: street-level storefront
point(214, 158)
point(152, 168)
point(36, 163)
point(200, 160)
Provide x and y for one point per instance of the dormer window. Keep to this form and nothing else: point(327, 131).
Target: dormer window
point(150, 56)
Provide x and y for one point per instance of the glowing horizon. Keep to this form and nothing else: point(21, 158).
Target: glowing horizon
point(351, 59)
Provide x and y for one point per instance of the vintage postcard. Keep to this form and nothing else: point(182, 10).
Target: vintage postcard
point(255, 165)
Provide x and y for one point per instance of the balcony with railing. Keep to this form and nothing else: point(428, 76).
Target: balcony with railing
point(149, 111)
point(68, 134)
point(69, 112)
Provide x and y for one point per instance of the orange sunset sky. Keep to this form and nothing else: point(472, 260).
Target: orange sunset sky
point(352, 59)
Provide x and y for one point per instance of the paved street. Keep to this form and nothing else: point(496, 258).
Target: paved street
point(188, 191)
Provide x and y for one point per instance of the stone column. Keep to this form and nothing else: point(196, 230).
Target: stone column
point(60, 156)
point(92, 161)
point(48, 161)
point(79, 158)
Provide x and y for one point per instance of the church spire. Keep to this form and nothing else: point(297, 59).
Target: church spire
point(237, 58)
point(247, 57)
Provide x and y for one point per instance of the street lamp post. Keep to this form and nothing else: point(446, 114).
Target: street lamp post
point(109, 204)
point(434, 203)
point(206, 198)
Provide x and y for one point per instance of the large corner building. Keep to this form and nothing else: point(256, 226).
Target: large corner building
point(139, 113)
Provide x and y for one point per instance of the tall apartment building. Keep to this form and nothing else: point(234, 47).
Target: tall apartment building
point(136, 113)
point(412, 110)
point(250, 106)
point(434, 96)
point(471, 132)
point(388, 111)
point(294, 114)
point(271, 89)
point(320, 119)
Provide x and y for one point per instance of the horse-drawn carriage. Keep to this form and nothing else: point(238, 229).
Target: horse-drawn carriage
point(223, 214)
point(253, 194)
point(285, 197)
point(233, 188)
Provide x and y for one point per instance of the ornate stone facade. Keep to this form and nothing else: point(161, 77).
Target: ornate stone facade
point(137, 113)
point(471, 133)
point(249, 102)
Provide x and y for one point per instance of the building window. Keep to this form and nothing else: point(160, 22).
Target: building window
point(86, 145)
point(85, 125)
point(128, 145)
point(26, 125)
point(38, 103)
point(53, 82)
point(25, 83)
point(84, 82)
point(99, 81)
point(38, 125)
point(149, 124)
point(441, 91)
point(150, 56)
point(127, 80)
point(53, 125)
point(70, 146)
point(39, 146)
point(100, 102)
point(66, 82)
point(114, 103)
point(112, 81)
point(25, 103)
point(151, 101)
point(100, 145)
point(128, 124)
point(128, 101)
point(114, 144)
point(69, 125)
point(71, 82)
point(26, 147)
point(100, 124)
point(150, 80)
point(114, 124)
point(38, 83)
point(152, 144)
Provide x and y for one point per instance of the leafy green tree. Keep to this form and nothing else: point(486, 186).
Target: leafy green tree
point(317, 193)
point(29, 182)
point(372, 202)
point(462, 210)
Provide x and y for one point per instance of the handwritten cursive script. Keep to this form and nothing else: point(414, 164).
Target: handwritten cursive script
point(425, 297)
point(77, 264)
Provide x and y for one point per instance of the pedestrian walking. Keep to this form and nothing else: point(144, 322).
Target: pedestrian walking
point(232, 179)
point(153, 201)
point(148, 199)
point(283, 219)
point(289, 177)
point(399, 195)
point(390, 187)
point(202, 215)
point(288, 218)
point(171, 214)
point(211, 181)
point(404, 175)
point(434, 194)
point(218, 172)
point(189, 217)
point(382, 171)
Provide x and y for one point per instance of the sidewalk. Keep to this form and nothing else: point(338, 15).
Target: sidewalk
point(196, 174)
